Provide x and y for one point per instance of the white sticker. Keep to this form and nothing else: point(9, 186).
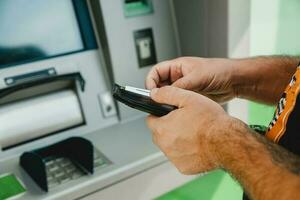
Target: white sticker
point(145, 48)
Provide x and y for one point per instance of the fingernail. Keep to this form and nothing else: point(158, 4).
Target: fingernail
point(154, 91)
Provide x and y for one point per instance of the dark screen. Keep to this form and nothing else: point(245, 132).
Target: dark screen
point(37, 29)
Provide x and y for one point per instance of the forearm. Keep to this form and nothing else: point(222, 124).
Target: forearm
point(265, 170)
point(263, 79)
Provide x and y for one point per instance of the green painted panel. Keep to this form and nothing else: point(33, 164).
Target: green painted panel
point(10, 187)
point(216, 185)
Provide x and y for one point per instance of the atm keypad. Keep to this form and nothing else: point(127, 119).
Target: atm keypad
point(62, 170)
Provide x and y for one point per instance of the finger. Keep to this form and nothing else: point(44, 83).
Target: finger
point(176, 70)
point(184, 83)
point(164, 83)
point(151, 83)
point(171, 96)
point(157, 74)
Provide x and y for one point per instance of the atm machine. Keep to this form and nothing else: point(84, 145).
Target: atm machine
point(62, 136)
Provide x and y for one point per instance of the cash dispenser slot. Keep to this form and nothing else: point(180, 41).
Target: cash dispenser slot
point(19, 84)
point(36, 107)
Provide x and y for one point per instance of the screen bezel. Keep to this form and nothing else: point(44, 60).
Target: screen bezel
point(86, 29)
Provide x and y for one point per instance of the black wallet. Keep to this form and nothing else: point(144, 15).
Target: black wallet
point(140, 99)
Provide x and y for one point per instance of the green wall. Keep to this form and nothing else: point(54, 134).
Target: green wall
point(274, 30)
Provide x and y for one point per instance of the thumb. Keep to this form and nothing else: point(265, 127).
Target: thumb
point(171, 96)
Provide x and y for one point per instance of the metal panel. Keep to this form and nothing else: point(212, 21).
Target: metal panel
point(119, 33)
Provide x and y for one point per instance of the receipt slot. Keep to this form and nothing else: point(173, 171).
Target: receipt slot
point(145, 47)
point(137, 7)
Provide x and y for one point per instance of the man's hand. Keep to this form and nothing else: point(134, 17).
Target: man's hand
point(260, 79)
point(210, 77)
point(199, 136)
point(187, 135)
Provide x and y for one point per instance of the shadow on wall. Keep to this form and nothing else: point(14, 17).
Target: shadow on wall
point(19, 54)
point(239, 27)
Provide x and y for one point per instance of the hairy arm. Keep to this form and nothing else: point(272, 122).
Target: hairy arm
point(266, 170)
point(263, 79)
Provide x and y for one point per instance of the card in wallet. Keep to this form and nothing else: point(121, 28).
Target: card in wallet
point(140, 99)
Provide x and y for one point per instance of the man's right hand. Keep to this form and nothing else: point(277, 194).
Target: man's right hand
point(210, 77)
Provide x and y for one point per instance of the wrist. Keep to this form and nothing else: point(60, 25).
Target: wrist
point(262, 78)
point(227, 141)
point(244, 77)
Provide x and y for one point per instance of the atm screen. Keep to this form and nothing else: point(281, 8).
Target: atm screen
point(37, 29)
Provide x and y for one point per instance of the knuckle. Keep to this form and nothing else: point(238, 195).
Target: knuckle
point(185, 84)
point(178, 68)
point(158, 67)
point(188, 84)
